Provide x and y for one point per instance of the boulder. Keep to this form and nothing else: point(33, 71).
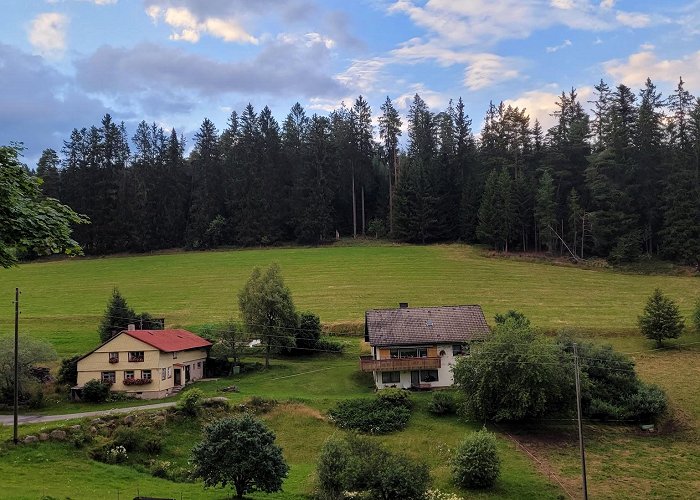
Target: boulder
point(43, 436)
point(129, 419)
point(93, 430)
point(30, 439)
point(58, 435)
point(96, 421)
point(75, 428)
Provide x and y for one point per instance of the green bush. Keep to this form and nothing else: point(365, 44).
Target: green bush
point(131, 439)
point(152, 445)
point(330, 346)
point(160, 469)
point(371, 416)
point(80, 439)
point(95, 391)
point(443, 403)
point(332, 468)
point(647, 404)
point(476, 463)
point(604, 410)
point(260, 404)
point(356, 463)
point(395, 397)
point(68, 371)
point(190, 402)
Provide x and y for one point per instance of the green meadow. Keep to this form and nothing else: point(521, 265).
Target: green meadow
point(62, 301)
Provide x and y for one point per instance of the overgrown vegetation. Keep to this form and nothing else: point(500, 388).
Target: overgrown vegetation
point(358, 464)
point(475, 463)
point(32, 351)
point(389, 411)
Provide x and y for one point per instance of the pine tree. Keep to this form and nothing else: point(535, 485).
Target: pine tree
point(545, 211)
point(661, 319)
point(47, 171)
point(116, 318)
point(389, 132)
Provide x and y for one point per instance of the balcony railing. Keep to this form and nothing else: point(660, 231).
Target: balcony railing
point(369, 364)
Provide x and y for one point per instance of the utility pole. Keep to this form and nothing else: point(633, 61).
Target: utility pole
point(580, 426)
point(16, 399)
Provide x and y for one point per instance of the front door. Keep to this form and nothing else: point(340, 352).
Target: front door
point(187, 373)
point(415, 378)
point(177, 376)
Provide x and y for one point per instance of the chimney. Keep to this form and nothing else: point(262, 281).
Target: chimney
point(403, 305)
point(131, 327)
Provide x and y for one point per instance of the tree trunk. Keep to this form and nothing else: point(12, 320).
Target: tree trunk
point(363, 210)
point(354, 207)
point(391, 206)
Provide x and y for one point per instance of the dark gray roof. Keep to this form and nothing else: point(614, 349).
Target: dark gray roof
point(425, 325)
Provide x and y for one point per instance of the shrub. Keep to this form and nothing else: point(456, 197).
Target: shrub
point(332, 468)
point(68, 371)
point(442, 403)
point(95, 391)
point(190, 402)
point(152, 445)
point(475, 463)
point(330, 346)
point(259, 404)
point(160, 468)
point(129, 438)
point(116, 455)
point(355, 463)
point(370, 416)
point(647, 404)
point(80, 439)
point(395, 397)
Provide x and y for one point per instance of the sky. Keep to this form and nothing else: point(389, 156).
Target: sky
point(65, 63)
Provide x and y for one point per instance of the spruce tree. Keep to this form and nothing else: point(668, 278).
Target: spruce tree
point(661, 319)
point(116, 318)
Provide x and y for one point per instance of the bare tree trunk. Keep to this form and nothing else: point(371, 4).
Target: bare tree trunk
point(354, 207)
point(391, 205)
point(363, 210)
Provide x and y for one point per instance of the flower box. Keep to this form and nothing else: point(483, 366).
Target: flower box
point(137, 381)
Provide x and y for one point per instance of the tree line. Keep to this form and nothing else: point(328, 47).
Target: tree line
point(618, 182)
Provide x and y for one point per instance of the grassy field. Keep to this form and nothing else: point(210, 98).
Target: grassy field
point(305, 388)
point(63, 301)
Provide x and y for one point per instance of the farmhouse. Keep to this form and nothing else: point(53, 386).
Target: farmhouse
point(146, 363)
point(416, 347)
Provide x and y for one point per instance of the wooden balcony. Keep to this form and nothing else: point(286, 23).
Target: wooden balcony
point(369, 364)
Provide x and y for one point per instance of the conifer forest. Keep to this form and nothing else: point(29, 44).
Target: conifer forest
point(619, 181)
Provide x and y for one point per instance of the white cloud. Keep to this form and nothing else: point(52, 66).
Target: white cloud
point(486, 70)
point(607, 4)
point(362, 75)
point(563, 4)
point(638, 66)
point(189, 28)
point(563, 45)
point(47, 33)
point(434, 100)
point(633, 19)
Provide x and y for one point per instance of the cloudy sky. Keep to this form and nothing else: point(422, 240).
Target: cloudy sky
point(64, 63)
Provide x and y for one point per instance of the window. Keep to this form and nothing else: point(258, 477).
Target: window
point(146, 374)
point(428, 376)
point(129, 375)
point(163, 374)
point(136, 356)
point(391, 377)
point(175, 355)
point(199, 364)
point(169, 373)
point(460, 349)
point(114, 357)
point(410, 352)
point(109, 377)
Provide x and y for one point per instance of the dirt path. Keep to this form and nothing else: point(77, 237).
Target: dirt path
point(38, 419)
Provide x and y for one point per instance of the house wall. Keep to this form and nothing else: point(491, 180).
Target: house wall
point(445, 376)
point(92, 366)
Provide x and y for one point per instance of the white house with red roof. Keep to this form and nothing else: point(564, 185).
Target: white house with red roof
point(147, 364)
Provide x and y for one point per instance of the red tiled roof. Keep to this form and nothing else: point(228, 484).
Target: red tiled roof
point(169, 340)
point(425, 325)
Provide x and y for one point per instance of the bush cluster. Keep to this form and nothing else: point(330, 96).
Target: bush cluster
point(475, 463)
point(381, 415)
point(443, 403)
point(95, 391)
point(358, 464)
point(190, 402)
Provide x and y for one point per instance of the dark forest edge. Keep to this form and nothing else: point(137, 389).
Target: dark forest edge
point(619, 184)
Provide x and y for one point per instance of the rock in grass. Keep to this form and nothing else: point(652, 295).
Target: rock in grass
point(43, 436)
point(129, 419)
point(75, 428)
point(58, 435)
point(30, 439)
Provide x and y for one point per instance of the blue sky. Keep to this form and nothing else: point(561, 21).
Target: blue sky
point(64, 63)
